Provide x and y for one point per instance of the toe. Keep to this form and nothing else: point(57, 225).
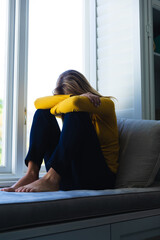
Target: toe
point(19, 189)
point(32, 190)
point(8, 189)
point(28, 190)
point(24, 189)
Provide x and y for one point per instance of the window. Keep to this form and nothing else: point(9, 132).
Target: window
point(3, 27)
point(55, 45)
point(6, 82)
point(39, 40)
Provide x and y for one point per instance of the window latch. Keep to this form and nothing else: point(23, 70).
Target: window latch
point(25, 116)
point(149, 30)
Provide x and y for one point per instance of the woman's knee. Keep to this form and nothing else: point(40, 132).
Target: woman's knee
point(82, 116)
point(77, 122)
point(44, 114)
point(44, 119)
point(40, 112)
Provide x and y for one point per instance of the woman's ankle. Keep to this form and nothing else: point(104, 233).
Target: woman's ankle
point(52, 176)
point(33, 174)
point(33, 169)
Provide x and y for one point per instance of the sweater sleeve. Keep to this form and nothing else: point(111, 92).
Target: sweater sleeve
point(49, 101)
point(83, 104)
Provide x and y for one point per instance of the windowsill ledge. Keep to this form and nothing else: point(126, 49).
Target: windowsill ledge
point(7, 180)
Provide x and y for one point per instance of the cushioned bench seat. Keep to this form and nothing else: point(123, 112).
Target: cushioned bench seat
point(139, 166)
point(20, 210)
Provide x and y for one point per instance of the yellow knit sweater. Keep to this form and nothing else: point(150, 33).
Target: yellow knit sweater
point(103, 118)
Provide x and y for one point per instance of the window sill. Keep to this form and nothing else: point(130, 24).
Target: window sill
point(7, 180)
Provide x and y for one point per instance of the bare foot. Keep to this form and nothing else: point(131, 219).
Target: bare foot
point(28, 178)
point(41, 185)
point(49, 183)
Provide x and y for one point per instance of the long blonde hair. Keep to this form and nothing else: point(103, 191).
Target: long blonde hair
point(73, 82)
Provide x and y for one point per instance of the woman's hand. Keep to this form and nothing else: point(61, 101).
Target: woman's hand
point(93, 98)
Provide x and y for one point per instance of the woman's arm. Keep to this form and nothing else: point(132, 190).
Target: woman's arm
point(50, 101)
point(83, 104)
point(93, 98)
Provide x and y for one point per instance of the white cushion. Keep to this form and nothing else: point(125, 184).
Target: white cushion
point(139, 159)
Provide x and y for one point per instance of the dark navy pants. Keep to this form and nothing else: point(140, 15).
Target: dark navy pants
point(74, 153)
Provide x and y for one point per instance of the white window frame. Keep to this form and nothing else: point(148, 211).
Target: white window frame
point(20, 87)
point(16, 92)
point(8, 101)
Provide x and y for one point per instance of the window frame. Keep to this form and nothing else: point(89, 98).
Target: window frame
point(20, 87)
point(8, 101)
point(15, 91)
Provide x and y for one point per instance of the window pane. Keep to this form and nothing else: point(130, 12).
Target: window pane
point(3, 48)
point(55, 45)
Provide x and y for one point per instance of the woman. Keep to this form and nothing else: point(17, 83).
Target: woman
point(84, 155)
